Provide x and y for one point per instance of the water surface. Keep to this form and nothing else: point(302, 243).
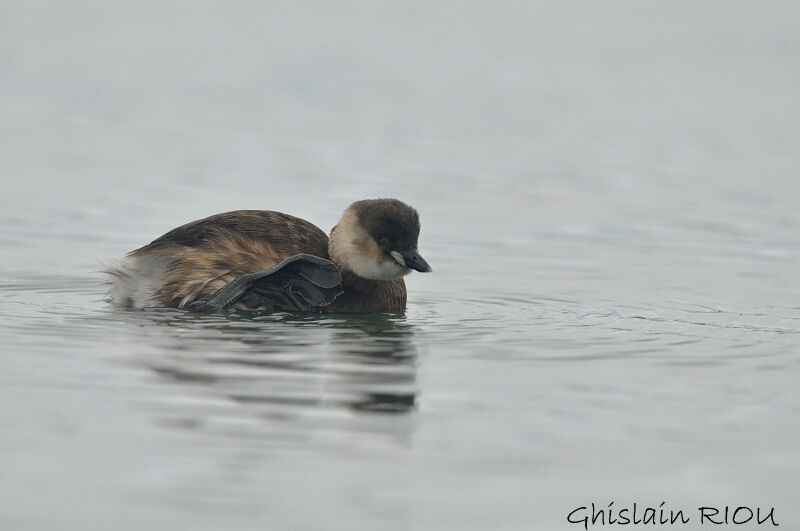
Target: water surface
point(610, 203)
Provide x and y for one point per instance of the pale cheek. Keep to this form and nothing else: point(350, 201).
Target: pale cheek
point(392, 270)
point(378, 269)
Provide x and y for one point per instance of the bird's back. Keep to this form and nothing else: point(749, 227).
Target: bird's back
point(189, 264)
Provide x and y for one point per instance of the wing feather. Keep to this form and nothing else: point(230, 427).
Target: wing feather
point(302, 282)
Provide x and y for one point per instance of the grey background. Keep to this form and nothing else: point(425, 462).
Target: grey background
point(609, 198)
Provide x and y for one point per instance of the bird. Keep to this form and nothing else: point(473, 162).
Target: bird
point(261, 260)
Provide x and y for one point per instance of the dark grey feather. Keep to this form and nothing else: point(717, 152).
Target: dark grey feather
point(302, 282)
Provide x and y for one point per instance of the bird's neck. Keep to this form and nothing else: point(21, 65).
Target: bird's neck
point(364, 295)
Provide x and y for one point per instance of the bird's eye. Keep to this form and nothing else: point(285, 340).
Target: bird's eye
point(383, 241)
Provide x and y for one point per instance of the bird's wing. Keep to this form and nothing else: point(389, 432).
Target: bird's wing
point(302, 282)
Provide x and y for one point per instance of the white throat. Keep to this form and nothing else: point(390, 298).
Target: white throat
point(353, 249)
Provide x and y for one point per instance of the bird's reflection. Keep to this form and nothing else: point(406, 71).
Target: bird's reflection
point(373, 342)
point(283, 364)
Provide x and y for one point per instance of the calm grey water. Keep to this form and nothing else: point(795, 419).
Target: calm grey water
point(610, 201)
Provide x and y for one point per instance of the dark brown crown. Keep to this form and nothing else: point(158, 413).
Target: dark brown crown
point(390, 218)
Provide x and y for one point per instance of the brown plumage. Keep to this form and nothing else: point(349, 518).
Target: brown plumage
point(372, 246)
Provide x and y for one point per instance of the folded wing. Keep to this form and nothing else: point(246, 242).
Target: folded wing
point(300, 283)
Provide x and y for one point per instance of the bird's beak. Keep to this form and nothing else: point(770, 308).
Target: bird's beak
point(412, 260)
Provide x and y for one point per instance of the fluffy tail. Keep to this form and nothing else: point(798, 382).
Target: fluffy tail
point(135, 280)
